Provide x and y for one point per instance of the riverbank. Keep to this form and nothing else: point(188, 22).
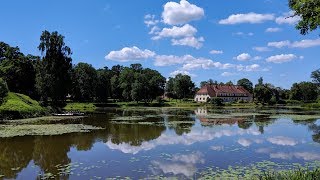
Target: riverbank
point(17, 106)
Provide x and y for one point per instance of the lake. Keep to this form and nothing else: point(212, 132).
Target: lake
point(152, 143)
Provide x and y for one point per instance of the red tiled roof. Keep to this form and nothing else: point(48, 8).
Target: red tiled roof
point(212, 90)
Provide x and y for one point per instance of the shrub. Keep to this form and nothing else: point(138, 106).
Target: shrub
point(216, 101)
point(3, 90)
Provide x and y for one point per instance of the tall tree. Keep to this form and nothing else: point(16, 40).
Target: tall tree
point(309, 11)
point(84, 82)
point(103, 91)
point(246, 83)
point(54, 76)
point(183, 86)
point(315, 75)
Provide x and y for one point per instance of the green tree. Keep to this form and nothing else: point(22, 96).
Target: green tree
point(103, 90)
point(54, 75)
point(309, 11)
point(246, 83)
point(315, 75)
point(304, 91)
point(84, 81)
point(17, 69)
point(126, 79)
point(230, 83)
point(3, 90)
point(183, 86)
point(262, 94)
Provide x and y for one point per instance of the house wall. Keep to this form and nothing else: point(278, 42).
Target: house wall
point(204, 98)
point(201, 98)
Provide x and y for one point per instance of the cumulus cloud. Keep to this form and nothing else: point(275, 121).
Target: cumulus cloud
point(250, 68)
point(168, 60)
point(261, 49)
point(243, 34)
point(283, 141)
point(130, 53)
point(279, 44)
point(150, 20)
point(226, 74)
point(181, 13)
point(288, 18)
point(252, 18)
point(282, 58)
point(189, 41)
point(174, 73)
point(306, 43)
point(272, 30)
point(216, 52)
point(176, 32)
point(243, 57)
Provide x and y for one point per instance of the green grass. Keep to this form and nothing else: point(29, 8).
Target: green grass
point(86, 107)
point(20, 106)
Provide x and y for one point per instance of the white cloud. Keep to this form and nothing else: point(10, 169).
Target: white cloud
point(174, 73)
point(168, 60)
point(281, 58)
point(283, 141)
point(243, 34)
point(261, 49)
point(130, 53)
point(181, 13)
point(217, 148)
point(256, 58)
point(244, 142)
point(226, 74)
point(250, 68)
point(216, 52)
point(197, 134)
point(306, 43)
point(150, 20)
point(307, 156)
point(288, 18)
point(176, 32)
point(154, 30)
point(279, 44)
point(189, 41)
point(252, 18)
point(243, 57)
point(272, 30)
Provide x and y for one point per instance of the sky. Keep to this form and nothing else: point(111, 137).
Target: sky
point(208, 39)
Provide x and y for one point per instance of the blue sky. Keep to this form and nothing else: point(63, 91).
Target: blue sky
point(222, 40)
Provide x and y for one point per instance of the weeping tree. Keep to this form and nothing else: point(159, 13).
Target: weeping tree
point(53, 79)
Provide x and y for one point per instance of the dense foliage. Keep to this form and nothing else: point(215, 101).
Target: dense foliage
point(54, 73)
point(180, 86)
point(3, 90)
point(52, 79)
point(309, 11)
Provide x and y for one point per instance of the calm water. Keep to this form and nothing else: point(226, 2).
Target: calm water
point(161, 142)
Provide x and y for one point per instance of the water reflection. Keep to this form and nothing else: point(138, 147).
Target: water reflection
point(179, 164)
point(190, 139)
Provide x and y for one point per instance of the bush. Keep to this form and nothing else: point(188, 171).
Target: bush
point(293, 102)
point(3, 90)
point(216, 101)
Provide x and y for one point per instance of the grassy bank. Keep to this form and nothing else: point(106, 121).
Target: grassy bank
point(17, 106)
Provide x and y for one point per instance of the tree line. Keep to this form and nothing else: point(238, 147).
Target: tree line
point(52, 78)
